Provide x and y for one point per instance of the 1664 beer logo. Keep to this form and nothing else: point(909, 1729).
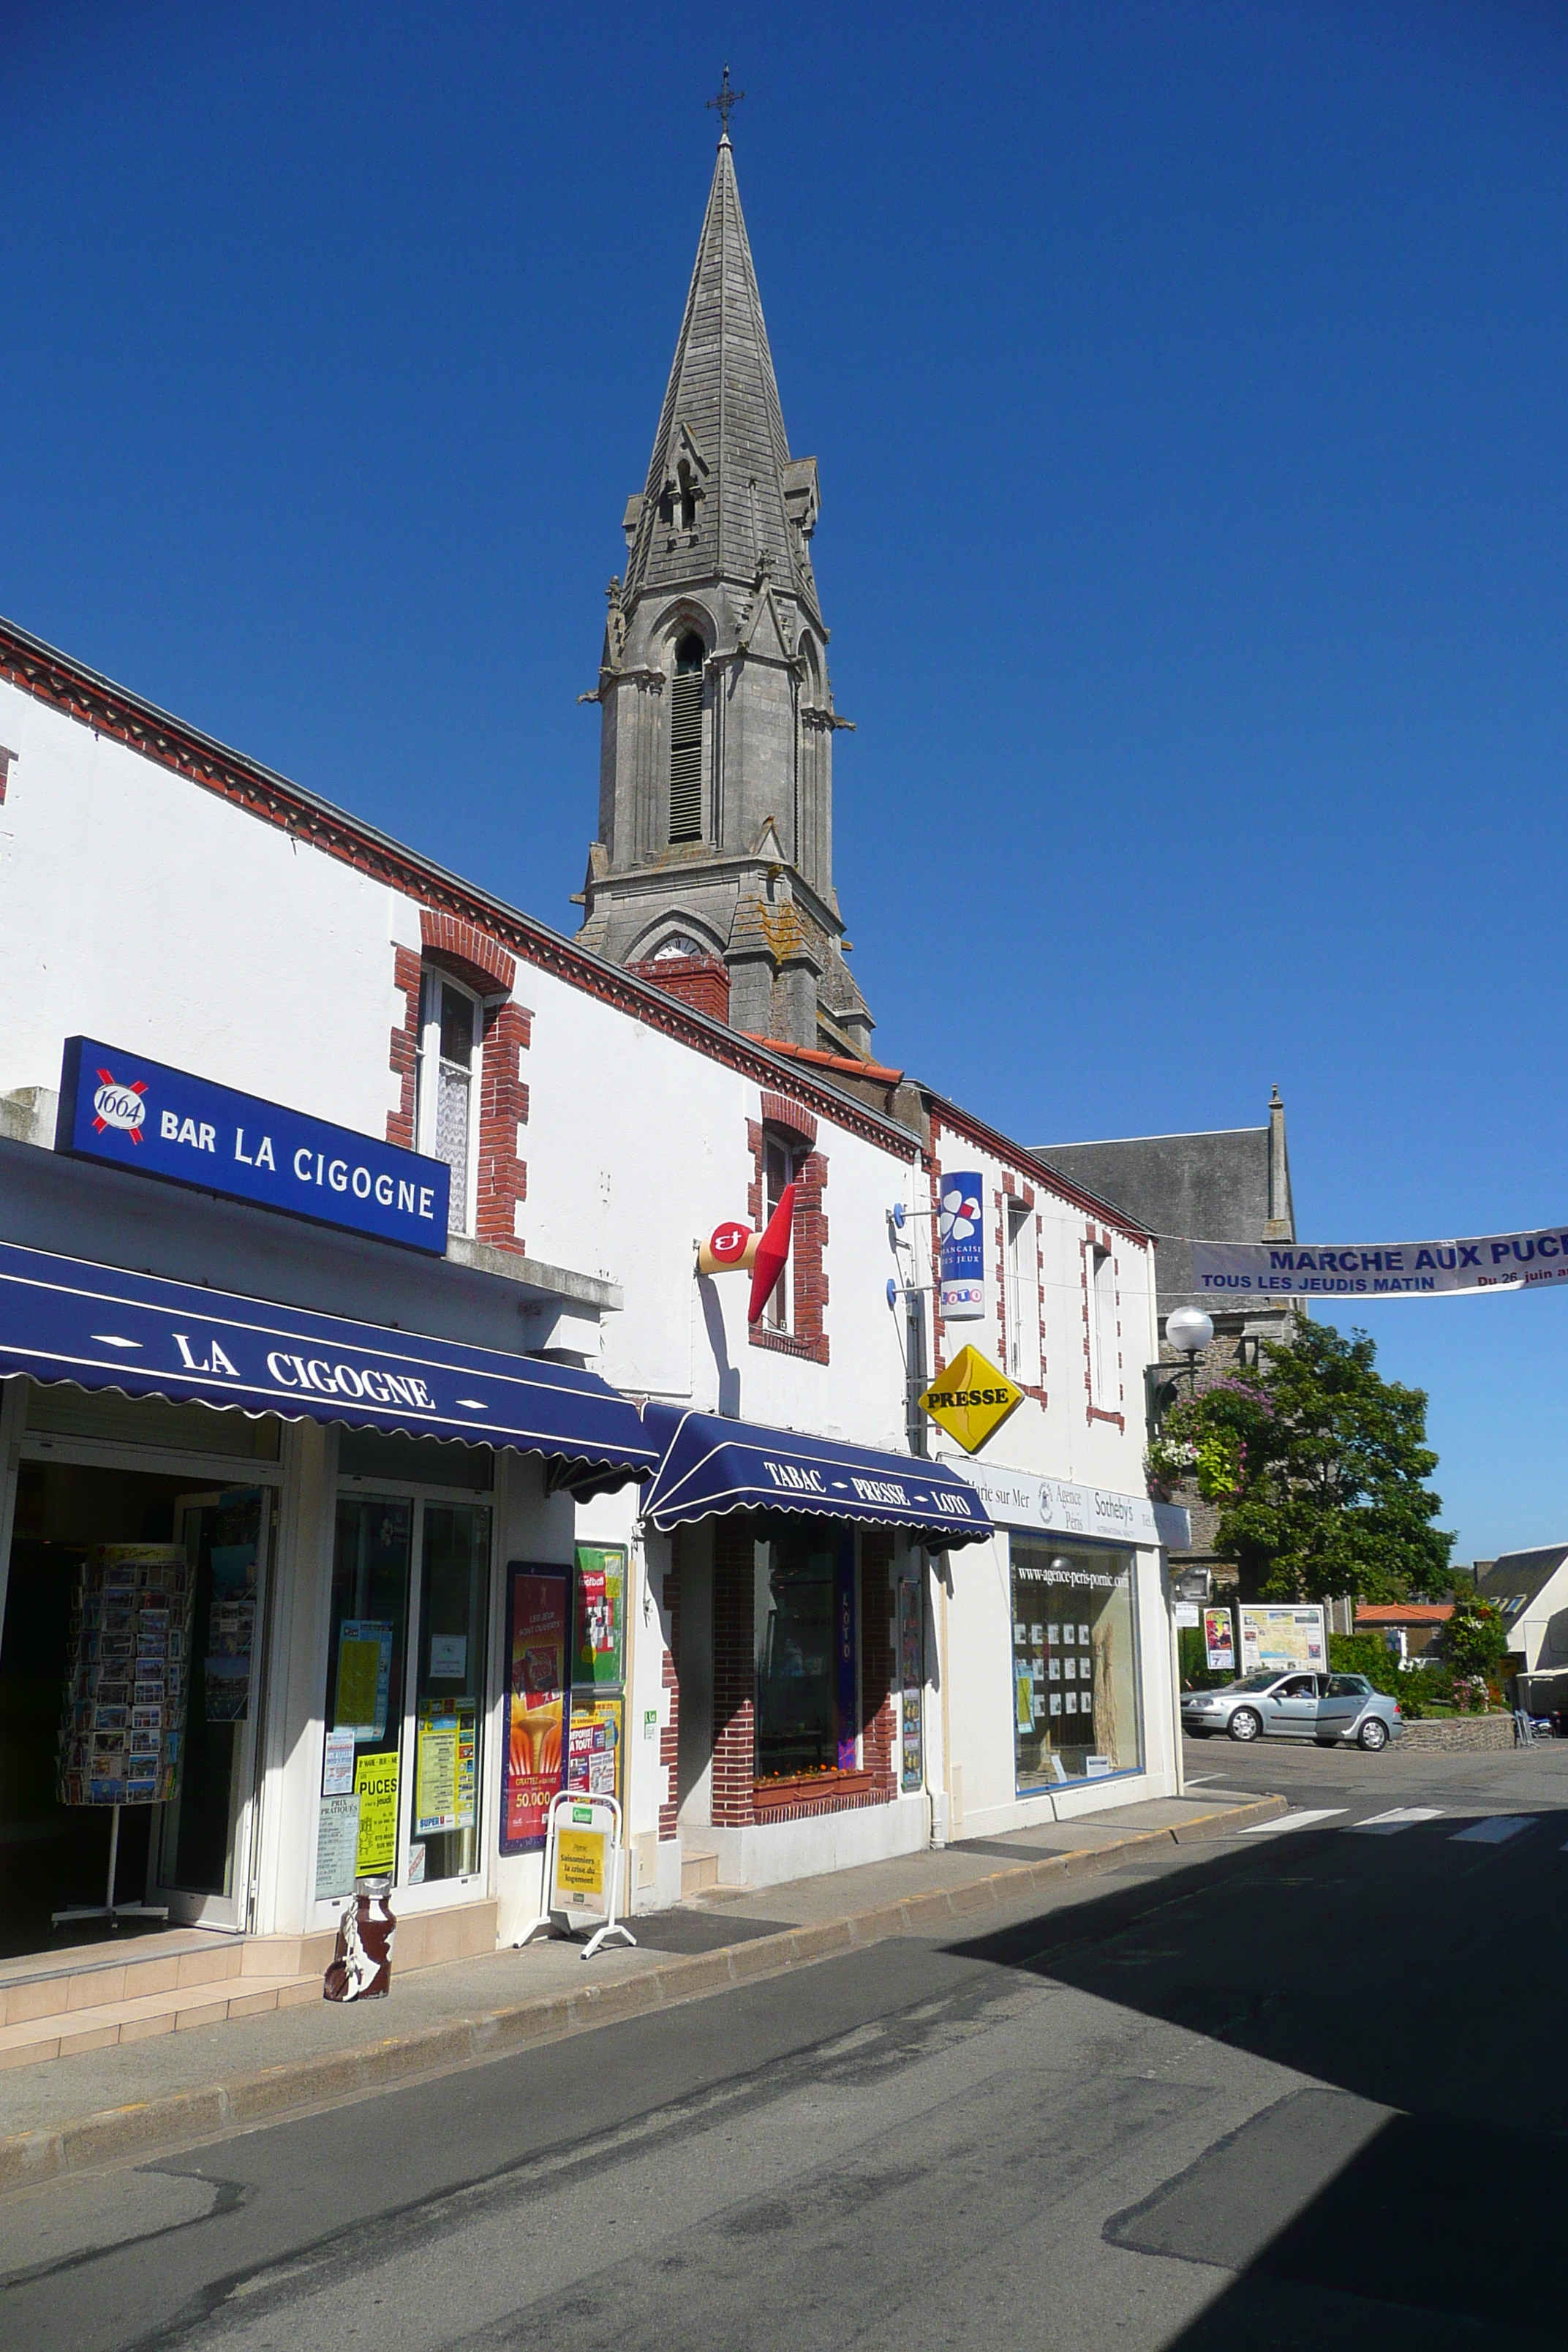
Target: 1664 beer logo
point(119, 1105)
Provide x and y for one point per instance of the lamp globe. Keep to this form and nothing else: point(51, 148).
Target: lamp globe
point(1190, 1330)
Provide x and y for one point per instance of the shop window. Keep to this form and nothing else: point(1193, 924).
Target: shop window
point(806, 1662)
point(779, 1171)
point(404, 1695)
point(451, 1027)
point(686, 742)
point(1105, 1362)
point(1075, 1684)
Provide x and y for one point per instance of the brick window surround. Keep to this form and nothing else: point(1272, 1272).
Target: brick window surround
point(1096, 1240)
point(506, 1033)
point(739, 1798)
point(1014, 1194)
point(807, 1337)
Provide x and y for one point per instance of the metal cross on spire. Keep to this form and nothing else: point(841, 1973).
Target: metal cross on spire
point(727, 100)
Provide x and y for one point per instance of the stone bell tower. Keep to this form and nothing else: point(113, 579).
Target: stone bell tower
point(713, 873)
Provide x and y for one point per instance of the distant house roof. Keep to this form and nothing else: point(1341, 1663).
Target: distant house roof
point(1407, 1612)
point(1522, 1573)
point(1230, 1185)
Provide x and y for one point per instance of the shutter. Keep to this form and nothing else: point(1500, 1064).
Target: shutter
point(686, 756)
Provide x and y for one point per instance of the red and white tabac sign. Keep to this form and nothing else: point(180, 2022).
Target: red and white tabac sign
point(735, 1248)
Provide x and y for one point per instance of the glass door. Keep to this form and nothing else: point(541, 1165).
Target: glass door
point(207, 1836)
point(402, 1761)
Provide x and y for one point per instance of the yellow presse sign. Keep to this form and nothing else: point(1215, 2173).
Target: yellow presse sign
point(971, 1400)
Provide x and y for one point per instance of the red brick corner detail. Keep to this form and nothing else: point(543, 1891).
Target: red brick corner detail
point(463, 950)
point(808, 1338)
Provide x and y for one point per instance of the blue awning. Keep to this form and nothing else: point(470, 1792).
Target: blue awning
point(711, 1466)
point(62, 1319)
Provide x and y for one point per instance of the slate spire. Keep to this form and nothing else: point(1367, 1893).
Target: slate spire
point(713, 869)
point(717, 480)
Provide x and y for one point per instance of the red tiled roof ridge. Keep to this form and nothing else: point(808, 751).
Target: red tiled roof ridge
point(1403, 1612)
point(877, 1070)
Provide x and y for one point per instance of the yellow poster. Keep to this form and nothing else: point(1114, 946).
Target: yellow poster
point(580, 1864)
point(436, 1775)
point(375, 1785)
point(971, 1400)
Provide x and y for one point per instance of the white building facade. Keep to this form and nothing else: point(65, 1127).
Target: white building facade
point(776, 1679)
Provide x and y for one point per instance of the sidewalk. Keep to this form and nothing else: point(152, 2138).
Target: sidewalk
point(142, 2097)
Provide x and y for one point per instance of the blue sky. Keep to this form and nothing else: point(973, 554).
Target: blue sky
point(1187, 386)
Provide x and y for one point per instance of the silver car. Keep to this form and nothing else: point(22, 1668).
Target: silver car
point(1327, 1708)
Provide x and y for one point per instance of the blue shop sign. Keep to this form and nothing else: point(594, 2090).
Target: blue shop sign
point(122, 1109)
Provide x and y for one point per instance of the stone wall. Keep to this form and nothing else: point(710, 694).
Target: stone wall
point(1449, 1735)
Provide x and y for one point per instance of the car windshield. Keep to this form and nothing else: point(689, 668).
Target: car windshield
point(1258, 1682)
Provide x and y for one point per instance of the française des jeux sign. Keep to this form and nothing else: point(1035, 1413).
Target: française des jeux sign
point(122, 1109)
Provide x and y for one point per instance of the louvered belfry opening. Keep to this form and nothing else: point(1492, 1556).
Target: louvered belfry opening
point(686, 742)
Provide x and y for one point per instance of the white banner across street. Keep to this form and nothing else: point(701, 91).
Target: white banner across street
point(1306, 1270)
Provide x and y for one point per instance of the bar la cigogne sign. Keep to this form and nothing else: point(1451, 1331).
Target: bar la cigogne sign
point(1307, 1270)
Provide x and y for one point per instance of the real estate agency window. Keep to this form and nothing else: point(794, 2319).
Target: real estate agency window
point(405, 1664)
point(781, 1164)
point(808, 1660)
point(450, 1032)
point(1105, 1357)
point(1075, 1662)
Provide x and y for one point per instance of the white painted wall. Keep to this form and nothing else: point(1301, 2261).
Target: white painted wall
point(141, 908)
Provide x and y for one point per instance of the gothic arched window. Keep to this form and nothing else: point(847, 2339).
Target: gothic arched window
point(685, 741)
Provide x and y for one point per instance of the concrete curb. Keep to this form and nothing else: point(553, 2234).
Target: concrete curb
point(156, 2125)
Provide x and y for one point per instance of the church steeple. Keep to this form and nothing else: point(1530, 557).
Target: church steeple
point(713, 869)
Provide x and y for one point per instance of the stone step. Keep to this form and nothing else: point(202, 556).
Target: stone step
point(54, 2005)
point(697, 1870)
point(65, 2034)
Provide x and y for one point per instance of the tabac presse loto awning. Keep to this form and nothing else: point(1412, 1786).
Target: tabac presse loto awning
point(65, 1319)
point(711, 1466)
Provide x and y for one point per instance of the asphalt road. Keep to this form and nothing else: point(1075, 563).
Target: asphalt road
point(1303, 2087)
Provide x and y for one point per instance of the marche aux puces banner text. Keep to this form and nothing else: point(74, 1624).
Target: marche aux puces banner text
point(1380, 1269)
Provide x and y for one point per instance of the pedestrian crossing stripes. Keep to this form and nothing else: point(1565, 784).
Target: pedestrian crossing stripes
point(1293, 1821)
point(1491, 1829)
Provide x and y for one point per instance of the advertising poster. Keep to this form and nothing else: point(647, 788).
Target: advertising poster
point(436, 1774)
point(375, 1790)
point(580, 1875)
point(364, 1671)
point(960, 1246)
point(1281, 1638)
point(599, 1649)
point(593, 1748)
point(1219, 1642)
point(912, 1676)
point(337, 1847)
point(534, 1763)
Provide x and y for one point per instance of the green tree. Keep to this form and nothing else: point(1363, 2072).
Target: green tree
point(1318, 1466)
point(1475, 1637)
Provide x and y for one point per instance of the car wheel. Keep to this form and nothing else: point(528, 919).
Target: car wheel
point(1374, 1734)
point(1246, 1724)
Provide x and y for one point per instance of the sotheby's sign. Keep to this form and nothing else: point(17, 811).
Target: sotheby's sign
point(1369, 1270)
point(123, 1108)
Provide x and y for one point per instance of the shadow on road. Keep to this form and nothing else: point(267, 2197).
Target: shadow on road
point(1421, 2195)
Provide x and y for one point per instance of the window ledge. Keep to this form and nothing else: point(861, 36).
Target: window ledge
point(767, 1794)
point(534, 1274)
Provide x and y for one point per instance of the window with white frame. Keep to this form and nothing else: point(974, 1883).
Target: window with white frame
point(1104, 1350)
point(450, 1032)
point(1019, 1292)
point(780, 1162)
